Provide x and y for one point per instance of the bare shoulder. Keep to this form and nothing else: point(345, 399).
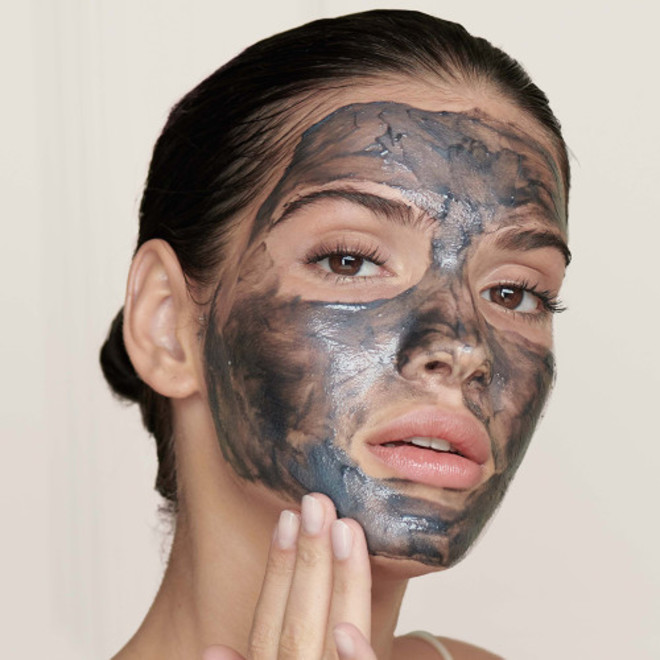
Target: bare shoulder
point(412, 646)
point(464, 651)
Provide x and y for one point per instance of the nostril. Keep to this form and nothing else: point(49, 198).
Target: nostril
point(446, 363)
point(481, 376)
point(438, 367)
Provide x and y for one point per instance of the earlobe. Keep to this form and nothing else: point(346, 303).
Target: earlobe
point(159, 328)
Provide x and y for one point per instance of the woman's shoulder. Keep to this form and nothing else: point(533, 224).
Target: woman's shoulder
point(464, 651)
point(420, 645)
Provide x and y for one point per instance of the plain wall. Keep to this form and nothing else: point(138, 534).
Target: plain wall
point(569, 566)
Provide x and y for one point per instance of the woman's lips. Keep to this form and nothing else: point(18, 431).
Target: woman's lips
point(459, 468)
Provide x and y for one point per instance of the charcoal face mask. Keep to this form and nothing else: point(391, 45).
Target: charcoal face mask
point(291, 380)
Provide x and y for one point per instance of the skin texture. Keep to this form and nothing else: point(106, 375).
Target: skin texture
point(297, 375)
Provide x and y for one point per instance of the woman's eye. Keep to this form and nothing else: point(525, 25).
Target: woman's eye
point(350, 265)
point(513, 298)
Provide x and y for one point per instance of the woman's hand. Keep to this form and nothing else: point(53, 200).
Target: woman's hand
point(315, 600)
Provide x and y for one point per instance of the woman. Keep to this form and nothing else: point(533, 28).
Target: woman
point(338, 326)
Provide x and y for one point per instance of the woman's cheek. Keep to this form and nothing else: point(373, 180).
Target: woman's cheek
point(266, 388)
point(523, 376)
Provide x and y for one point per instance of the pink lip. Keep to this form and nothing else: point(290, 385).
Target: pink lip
point(459, 470)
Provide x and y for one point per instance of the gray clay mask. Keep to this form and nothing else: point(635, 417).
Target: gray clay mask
point(295, 382)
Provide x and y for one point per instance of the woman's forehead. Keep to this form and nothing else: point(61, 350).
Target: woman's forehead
point(432, 158)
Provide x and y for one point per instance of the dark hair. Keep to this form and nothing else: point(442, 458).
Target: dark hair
point(221, 140)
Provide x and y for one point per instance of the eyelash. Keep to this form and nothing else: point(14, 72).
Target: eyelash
point(325, 250)
point(550, 301)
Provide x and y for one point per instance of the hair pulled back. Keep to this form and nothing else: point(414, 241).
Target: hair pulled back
point(220, 141)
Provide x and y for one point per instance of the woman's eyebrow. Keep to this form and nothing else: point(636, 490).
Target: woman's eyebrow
point(390, 209)
point(533, 239)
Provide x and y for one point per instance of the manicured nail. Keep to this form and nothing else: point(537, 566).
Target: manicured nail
point(287, 530)
point(344, 643)
point(312, 515)
point(342, 539)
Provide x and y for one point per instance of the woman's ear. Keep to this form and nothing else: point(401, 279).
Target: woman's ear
point(159, 322)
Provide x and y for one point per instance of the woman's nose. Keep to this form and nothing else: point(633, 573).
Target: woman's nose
point(442, 360)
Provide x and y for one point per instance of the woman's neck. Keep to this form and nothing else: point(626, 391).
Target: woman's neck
point(217, 562)
point(209, 593)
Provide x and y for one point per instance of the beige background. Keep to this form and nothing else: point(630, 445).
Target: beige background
point(569, 567)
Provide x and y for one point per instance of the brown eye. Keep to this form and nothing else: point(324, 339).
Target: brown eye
point(345, 264)
point(511, 297)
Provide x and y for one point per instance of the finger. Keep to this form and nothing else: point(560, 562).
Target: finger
point(221, 653)
point(351, 643)
point(306, 617)
point(351, 586)
point(269, 613)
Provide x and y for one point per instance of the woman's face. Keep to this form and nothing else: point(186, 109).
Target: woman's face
point(388, 338)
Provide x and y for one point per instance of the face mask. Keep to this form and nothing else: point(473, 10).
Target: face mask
point(310, 392)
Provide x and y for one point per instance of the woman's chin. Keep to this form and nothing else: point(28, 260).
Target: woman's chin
point(402, 568)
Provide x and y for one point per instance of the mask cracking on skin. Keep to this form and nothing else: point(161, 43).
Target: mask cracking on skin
point(292, 381)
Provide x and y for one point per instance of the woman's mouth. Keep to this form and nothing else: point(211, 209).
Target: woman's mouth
point(433, 447)
point(428, 443)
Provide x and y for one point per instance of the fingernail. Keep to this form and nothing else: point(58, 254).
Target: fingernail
point(344, 643)
point(312, 515)
point(287, 530)
point(342, 539)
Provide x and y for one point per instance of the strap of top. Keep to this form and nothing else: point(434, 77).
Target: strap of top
point(433, 641)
